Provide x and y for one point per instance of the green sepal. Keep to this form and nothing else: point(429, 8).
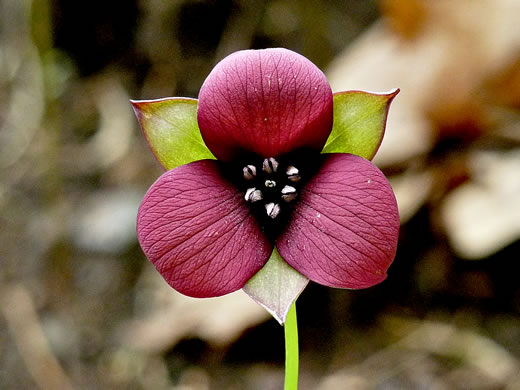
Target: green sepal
point(276, 286)
point(359, 122)
point(171, 130)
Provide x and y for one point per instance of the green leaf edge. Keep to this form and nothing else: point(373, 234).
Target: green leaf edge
point(136, 105)
point(390, 95)
point(275, 257)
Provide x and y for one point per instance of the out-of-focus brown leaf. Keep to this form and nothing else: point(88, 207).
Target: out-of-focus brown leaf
point(167, 317)
point(483, 216)
point(406, 17)
point(411, 190)
point(460, 45)
point(477, 361)
point(506, 85)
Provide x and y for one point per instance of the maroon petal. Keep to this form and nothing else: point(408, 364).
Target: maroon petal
point(345, 225)
point(268, 102)
point(196, 229)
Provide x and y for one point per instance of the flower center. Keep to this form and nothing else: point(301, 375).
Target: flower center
point(271, 187)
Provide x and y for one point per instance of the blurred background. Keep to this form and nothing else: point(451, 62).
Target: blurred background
point(81, 307)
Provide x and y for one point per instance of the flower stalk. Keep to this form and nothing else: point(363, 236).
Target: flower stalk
point(291, 350)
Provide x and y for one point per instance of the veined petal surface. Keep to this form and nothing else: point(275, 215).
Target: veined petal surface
point(268, 102)
point(197, 230)
point(344, 229)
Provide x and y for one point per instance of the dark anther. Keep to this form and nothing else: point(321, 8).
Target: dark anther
point(249, 172)
point(273, 209)
point(270, 165)
point(289, 193)
point(253, 195)
point(293, 174)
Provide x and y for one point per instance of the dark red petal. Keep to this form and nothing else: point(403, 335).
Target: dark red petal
point(196, 229)
point(268, 102)
point(345, 225)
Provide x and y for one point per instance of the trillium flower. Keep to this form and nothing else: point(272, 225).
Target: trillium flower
point(263, 160)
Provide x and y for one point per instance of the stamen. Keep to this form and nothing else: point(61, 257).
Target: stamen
point(253, 195)
point(249, 172)
point(273, 209)
point(268, 187)
point(289, 193)
point(293, 174)
point(270, 165)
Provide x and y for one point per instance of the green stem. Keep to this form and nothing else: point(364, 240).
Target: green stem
point(291, 349)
